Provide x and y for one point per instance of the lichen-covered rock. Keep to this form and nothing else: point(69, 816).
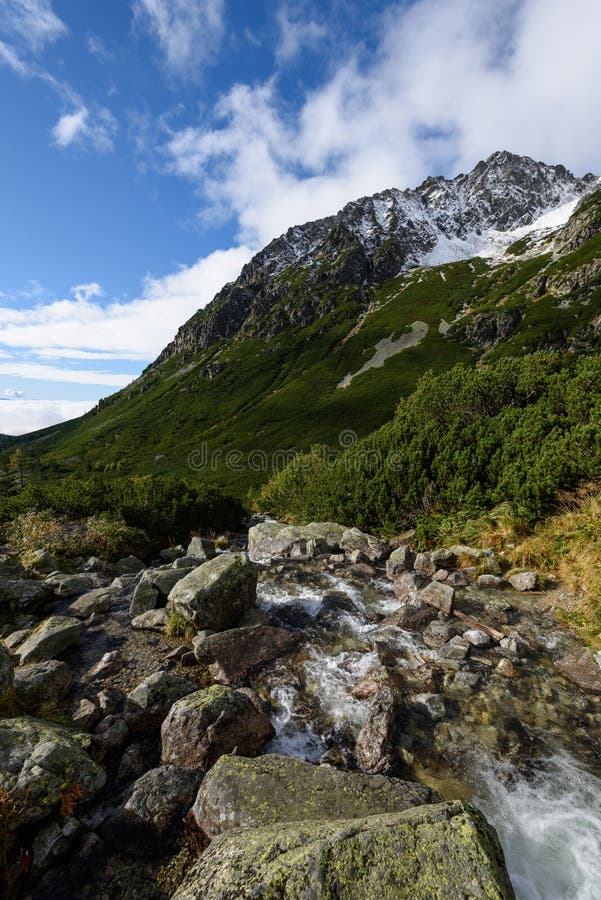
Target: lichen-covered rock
point(6, 670)
point(204, 725)
point(232, 655)
point(269, 541)
point(97, 601)
point(151, 817)
point(49, 639)
point(249, 793)
point(217, 594)
point(353, 540)
point(45, 682)
point(70, 585)
point(150, 701)
point(39, 760)
point(439, 851)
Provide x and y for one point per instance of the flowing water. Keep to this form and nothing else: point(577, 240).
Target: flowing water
point(545, 804)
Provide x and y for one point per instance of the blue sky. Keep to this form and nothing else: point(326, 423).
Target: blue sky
point(150, 146)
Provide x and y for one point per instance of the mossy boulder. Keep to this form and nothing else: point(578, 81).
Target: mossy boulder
point(204, 725)
point(217, 594)
point(52, 637)
point(39, 760)
point(250, 793)
point(433, 852)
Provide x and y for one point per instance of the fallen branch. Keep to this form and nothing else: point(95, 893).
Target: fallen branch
point(474, 623)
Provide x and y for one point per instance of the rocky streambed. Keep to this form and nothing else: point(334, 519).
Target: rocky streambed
point(388, 699)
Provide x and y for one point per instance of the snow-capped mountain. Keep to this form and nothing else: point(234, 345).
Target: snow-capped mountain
point(375, 238)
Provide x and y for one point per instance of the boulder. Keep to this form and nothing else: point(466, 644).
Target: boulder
point(232, 655)
point(476, 637)
point(458, 579)
point(407, 584)
point(129, 565)
point(443, 559)
point(201, 548)
point(582, 668)
point(23, 594)
point(152, 620)
point(108, 664)
point(185, 562)
point(204, 725)
point(49, 639)
point(442, 850)
point(217, 594)
point(353, 540)
point(424, 564)
point(270, 541)
point(99, 567)
point(249, 793)
point(487, 582)
point(41, 562)
point(523, 581)
point(400, 560)
point(54, 840)
point(110, 734)
point(96, 601)
point(39, 760)
point(374, 750)
point(437, 633)
point(171, 554)
point(431, 705)
point(70, 585)
point(150, 819)
point(164, 580)
point(440, 596)
point(150, 701)
point(16, 638)
point(46, 682)
point(6, 670)
point(86, 715)
point(146, 595)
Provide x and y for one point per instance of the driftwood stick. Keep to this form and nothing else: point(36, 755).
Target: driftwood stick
point(491, 632)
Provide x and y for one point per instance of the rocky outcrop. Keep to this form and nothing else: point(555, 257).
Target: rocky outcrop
point(270, 541)
point(217, 594)
point(51, 638)
point(249, 793)
point(232, 655)
point(445, 850)
point(206, 724)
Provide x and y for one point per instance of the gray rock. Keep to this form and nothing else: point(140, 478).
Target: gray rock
point(69, 585)
point(464, 683)
point(171, 554)
point(150, 701)
point(186, 562)
point(440, 575)
point(424, 564)
point(476, 637)
point(249, 793)
point(152, 620)
point(86, 715)
point(165, 579)
point(217, 594)
point(201, 548)
point(108, 664)
point(523, 581)
point(432, 705)
point(41, 562)
point(6, 670)
point(54, 840)
point(400, 560)
point(96, 601)
point(204, 725)
point(99, 566)
point(407, 584)
point(465, 552)
point(458, 579)
point(52, 637)
point(456, 648)
point(232, 655)
point(45, 682)
point(582, 668)
point(440, 596)
point(373, 549)
point(374, 750)
point(486, 582)
point(111, 733)
point(16, 638)
point(23, 594)
point(437, 633)
point(443, 559)
point(146, 595)
point(38, 759)
point(271, 541)
point(129, 565)
point(517, 645)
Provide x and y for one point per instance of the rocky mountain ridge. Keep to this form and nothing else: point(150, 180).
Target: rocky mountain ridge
point(375, 238)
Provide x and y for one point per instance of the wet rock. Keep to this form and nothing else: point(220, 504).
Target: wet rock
point(457, 648)
point(46, 682)
point(424, 564)
point(374, 750)
point(401, 854)
point(54, 840)
point(152, 620)
point(353, 540)
point(107, 665)
point(111, 733)
point(523, 581)
point(218, 593)
point(476, 637)
point(206, 724)
point(23, 594)
point(413, 616)
point(70, 585)
point(464, 684)
point(437, 633)
point(440, 596)
point(38, 759)
point(150, 819)
point(86, 715)
point(247, 793)
point(150, 701)
point(400, 560)
point(6, 670)
point(269, 541)
point(583, 668)
point(506, 668)
point(431, 705)
point(129, 565)
point(96, 601)
point(49, 639)
point(487, 582)
point(232, 655)
point(517, 645)
point(201, 548)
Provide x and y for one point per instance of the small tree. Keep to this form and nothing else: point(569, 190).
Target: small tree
point(18, 469)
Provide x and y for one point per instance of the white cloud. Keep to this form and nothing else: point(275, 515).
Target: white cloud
point(81, 128)
point(84, 292)
point(21, 416)
point(189, 32)
point(31, 21)
point(11, 393)
point(71, 376)
point(9, 57)
point(451, 82)
point(136, 330)
point(96, 47)
point(297, 34)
